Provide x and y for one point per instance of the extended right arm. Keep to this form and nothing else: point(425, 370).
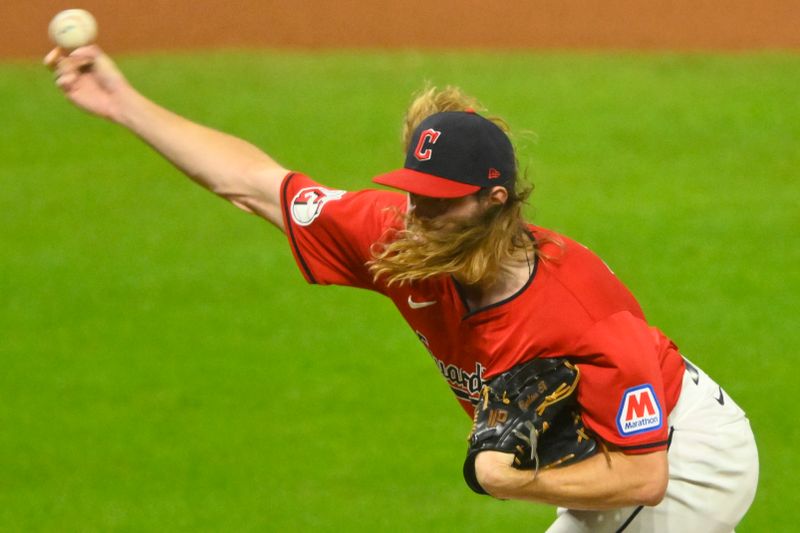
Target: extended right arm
point(226, 165)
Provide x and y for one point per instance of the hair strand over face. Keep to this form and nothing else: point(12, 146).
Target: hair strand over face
point(473, 249)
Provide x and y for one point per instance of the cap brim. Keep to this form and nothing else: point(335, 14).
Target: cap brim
point(424, 184)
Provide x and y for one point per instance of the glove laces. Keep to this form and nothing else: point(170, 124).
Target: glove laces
point(532, 439)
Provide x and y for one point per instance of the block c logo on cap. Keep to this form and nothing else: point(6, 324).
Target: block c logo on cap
point(428, 137)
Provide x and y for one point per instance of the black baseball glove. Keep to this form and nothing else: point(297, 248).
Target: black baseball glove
point(531, 411)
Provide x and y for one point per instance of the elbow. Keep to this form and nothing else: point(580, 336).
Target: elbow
point(652, 494)
point(652, 490)
point(645, 477)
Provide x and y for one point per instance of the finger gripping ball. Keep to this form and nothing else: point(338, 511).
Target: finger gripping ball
point(73, 28)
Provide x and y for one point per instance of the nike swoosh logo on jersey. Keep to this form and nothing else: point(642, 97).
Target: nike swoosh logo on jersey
point(721, 399)
point(419, 305)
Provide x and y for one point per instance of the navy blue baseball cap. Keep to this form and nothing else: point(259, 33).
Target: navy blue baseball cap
point(454, 154)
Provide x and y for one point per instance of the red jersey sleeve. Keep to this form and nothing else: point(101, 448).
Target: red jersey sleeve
point(331, 231)
point(622, 390)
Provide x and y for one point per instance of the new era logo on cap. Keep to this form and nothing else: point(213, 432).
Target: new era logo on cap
point(454, 154)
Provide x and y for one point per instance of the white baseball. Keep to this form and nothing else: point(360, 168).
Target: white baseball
point(73, 28)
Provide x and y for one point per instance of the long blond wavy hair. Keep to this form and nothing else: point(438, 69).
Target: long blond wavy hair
point(474, 249)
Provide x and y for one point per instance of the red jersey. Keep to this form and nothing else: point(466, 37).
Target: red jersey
point(572, 305)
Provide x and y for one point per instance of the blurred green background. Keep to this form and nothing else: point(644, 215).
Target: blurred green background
point(166, 368)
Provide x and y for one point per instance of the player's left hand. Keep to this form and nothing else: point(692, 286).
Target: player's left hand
point(527, 418)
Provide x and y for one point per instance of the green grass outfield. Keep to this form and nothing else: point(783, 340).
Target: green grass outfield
point(165, 367)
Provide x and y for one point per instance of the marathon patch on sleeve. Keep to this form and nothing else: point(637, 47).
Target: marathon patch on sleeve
point(639, 411)
point(307, 204)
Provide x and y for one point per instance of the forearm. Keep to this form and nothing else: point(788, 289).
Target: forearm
point(230, 167)
point(599, 482)
point(224, 164)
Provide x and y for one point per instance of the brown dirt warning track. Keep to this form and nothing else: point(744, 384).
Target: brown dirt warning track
point(147, 25)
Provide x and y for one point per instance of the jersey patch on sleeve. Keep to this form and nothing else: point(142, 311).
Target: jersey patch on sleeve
point(307, 204)
point(639, 411)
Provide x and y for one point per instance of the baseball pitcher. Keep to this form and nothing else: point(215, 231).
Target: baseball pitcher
point(577, 401)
